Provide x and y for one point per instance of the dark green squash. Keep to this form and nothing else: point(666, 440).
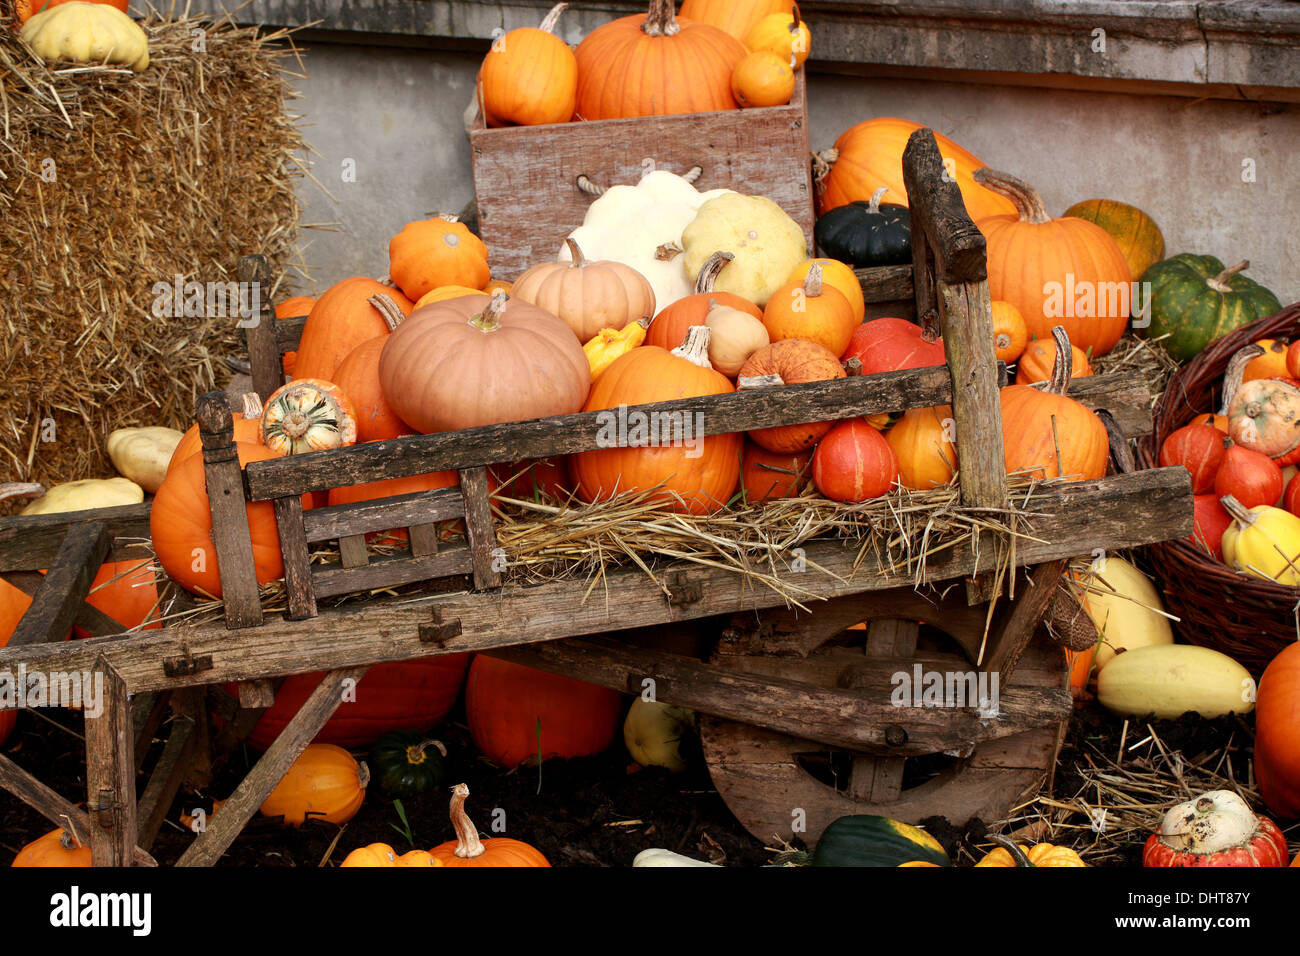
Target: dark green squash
point(1195, 300)
point(405, 763)
point(876, 841)
point(866, 234)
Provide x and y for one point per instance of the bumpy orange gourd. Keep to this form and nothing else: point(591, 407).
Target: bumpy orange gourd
point(790, 362)
point(325, 783)
point(923, 441)
point(1036, 361)
point(668, 330)
point(812, 310)
point(529, 76)
point(589, 295)
point(436, 252)
point(762, 78)
point(655, 65)
point(468, 850)
point(698, 476)
point(358, 377)
point(736, 17)
point(1038, 426)
point(341, 320)
point(1265, 416)
point(1065, 271)
point(1009, 333)
point(870, 155)
point(765, 475)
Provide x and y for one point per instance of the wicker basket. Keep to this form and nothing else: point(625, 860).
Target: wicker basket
point(1245, 617)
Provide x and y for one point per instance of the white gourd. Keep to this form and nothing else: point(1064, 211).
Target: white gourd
point(659, 857)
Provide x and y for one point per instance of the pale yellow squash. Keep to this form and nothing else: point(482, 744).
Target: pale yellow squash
point(1170, 679)
point(653, 732)
point(1125, 607)
point(85, 495)
point(87, 33)
point(143, 454)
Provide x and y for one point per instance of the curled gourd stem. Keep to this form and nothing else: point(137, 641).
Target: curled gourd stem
point(709, 271)
point(1013, 848)
point(1234, 373)
point(1237, 511)
point(468, 845)
point(812, 283)
point(758, 381)
point(668, 252)
point(449, 216)
point(389, 309)
point(822, 163)
point(695, 347)
point(1063, 366)
point(579, 260)
point(794, 24)
point(253, 405)
point(552, 18)
point(1027, 201)
point(415, 753)
point(21, 489)
point(873, 206)
point(489, 320)
point(1223, 281)
point(660, 22)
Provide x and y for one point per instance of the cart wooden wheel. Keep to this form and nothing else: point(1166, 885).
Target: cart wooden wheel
point(782, 787)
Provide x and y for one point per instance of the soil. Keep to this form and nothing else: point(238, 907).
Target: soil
point(594, 811)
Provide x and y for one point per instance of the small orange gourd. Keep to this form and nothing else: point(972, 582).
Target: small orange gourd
point(812, 310)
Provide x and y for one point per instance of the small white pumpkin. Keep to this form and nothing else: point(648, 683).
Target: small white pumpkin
point(86, 495)
point(142, 454)
point(661, 857)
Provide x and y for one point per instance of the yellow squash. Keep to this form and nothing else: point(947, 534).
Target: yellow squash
point(1170, 679)
point(143, 454)
point(85, 495)
point(1040, 854)
point(1125, 607)
point(653, 733)
point(609, 344)
point(87, 33)
point(1264, 542)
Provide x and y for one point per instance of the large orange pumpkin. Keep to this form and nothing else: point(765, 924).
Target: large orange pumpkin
point(791, 362)
point(870, 155)
point(180, 525)
point(325, 783)
point(358, 377)
point(1066, 271)
point(248, 427)
point(668, 329)
point(436, 252)
point(341, 320)
point(126, 592)
point(529, 76)
point(702, 472)
point(1277, 733)
point(736, 17)
point(468, 850)
point(517, 714)
point(655, 65)
point(923, 442)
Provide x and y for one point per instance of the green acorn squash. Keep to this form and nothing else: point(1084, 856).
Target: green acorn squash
point(866, 234)
point(876, 841)
point(406, 763)
point(1195, 300)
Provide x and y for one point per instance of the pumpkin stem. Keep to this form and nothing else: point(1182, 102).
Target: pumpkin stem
point(415, 754)
point(822, 163)
point(253, 405)
point(21, 489)
point(489, 320)
point(579, 260)
point(1223, 281)
point(794, 24)
point(1237, 511)
point(852, 366)
point(930, 327)
point(695, 347)
point(812, 283)
point(363, 775)
point(1017, 854)
point(468, 845)
point(551, 19)
point(294, 424)
point(1027, 201)
point(873, 206)
point(1063, 366)
point(668, 252)
point(758, 381)
point(1235, 372)
point(660, 22)
point(709, 271)
point(385, 306)
point(449, 216)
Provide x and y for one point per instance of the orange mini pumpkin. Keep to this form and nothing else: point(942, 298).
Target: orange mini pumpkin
point(436, 252)
point(468, 850)
point(325, 783)
point(56, 848)
point(762, 78)
point(588, 295)
point(1036, 361)
point(765, 475)
point(790, 362)
point(839, 275)
point(1010, 336)
point(923, 441)
point(529, 76)
point(812, 310)
point(1272, 364)
point(854, 463)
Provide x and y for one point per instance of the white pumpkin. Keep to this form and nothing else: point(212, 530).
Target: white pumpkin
point(660, 857)
point(142, 454)
point(640, 226)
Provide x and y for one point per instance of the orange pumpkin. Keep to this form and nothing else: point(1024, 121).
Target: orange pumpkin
point(891, 344)
point(180, 525)
point(587, 295)
point(444, 292)
point(784, 34)
point(1272, 364)
point(1265, 416)
point(1249, 476)
point(248, 427)
point(341, 320)
point(325, 783)
point(295, 307)
point(765, 475)
point(923, 443)
point(1039, 356)
point(391, 488)
point(374, 854)
point(790, 362)
point(468, 850)
point(762, 78)
point(56, 848)
point(517, 714)
point(668, 329)
point(529, 76)
point(13, 605)
point(1066, 271)
point(437, 252)
point(737, 17)
point(841, 276)
point(854, 463)
point(812, 310)
point(1010, 336)
point(1047, 434)
point(126, 592)
point(655, 65)
point(1277, 730)
point(358, 377)
point(698, 476)
point(498, 285)
point(870, 155)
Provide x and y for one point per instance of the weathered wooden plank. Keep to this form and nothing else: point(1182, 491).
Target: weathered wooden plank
point(61, 595)
point(383, 514)
point(298, 588)
point(524, 177)
point(288, 332)
point(857, 719)
point(192, 703)
point(885, 283)
point(89, 617)
point(352, 551)
point(1071, 518)
point(880, 779)
point(938, 211)
point(1127, 400)
point(110, 772)
point(259, 335)
point(31, 542)
point(258, 694)
point(424, 539)
point(1023, 619)
point(328, 581)
point(165, 781)
point(147, 713)
point(231, 538)
point(253, 790)
point(48, 803)
point(479, 531)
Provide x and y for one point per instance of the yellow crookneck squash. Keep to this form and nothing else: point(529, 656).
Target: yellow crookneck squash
point(609, 344)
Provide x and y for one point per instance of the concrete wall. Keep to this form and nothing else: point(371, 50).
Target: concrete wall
point(397, 113)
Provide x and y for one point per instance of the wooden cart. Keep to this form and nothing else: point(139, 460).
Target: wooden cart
point(797, 721)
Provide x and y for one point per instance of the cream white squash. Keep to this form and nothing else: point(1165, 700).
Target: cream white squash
point(1170, 679)
point(660, 857)
point(85, 495)
point(142, 454)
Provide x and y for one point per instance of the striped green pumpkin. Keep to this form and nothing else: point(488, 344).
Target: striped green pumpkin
point(1195, 300)
point(876, 841)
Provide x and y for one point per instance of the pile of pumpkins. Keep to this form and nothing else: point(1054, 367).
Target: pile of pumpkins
point(717, 56)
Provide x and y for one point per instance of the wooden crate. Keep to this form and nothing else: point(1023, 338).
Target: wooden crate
point(525, 177)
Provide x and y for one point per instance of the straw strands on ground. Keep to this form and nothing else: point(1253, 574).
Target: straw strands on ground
point(110, 182)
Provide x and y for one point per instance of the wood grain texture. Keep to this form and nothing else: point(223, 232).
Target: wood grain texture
point(253, 790)
point(389, 572)
point(62, 593)
point(110, 772)
point(524, 177)
point(300, 595)
point(165, 781)
point(479, 531)
point(885, 284)
point(937, 210)
point(383, 514)
point(880, 779)
point(1024, 618)
point(31, 542)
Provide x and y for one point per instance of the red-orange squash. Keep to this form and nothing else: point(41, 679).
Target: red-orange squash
point(1277, 734)
point(790, 362)
point(893, 345)
point(1249, 476)
point(532, 478)
point(341, 320)
point(765, 475)
point(469, 850)
point(1209, 520)
point(1199, 448)
point(854, 463)
point(517, 714)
